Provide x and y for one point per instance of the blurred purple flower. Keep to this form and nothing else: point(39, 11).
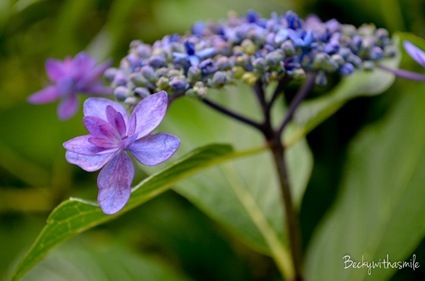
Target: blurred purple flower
point(415, 53)
point(70, 77)
point(111, 136)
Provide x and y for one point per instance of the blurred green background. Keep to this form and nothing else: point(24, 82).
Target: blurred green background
point(167, 236)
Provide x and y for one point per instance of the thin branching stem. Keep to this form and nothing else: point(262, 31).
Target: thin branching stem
point(232, 114)
point(279, 89)
point(299, 97)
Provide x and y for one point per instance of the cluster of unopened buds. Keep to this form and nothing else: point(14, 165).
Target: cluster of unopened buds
point(251, 49)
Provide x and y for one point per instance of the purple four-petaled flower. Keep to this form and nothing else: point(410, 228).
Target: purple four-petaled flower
point(70, 77)
point(111, 136)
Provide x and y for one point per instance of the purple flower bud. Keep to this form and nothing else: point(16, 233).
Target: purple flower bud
point(293, 20)
point(121, 93)
point(321, 79)
point(119, 80)
point(157, 61)
point(149, 73)
point(376, 53)
point(110, 73)
point(346, 69)
point(260, 65)
point(194, 74)
point(208, 67)
point(273, 59)
point(219, 79)
point(144, 51)
point(178, 84)
point(142, 92)
point(223, 63)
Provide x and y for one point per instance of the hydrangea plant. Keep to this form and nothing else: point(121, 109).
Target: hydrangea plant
point(268, 54)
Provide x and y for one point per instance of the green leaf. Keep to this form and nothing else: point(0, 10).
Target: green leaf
point(75, 215)
point(380, 208)
point(242, 195)
point(361, 83)
point(85, 260)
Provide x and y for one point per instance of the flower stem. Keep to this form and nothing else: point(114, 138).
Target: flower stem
point(291, 218)
point(277, 149)
point(300, 96)
point(232, 114)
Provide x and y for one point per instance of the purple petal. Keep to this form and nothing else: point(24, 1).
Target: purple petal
point(97, 107)
point(100, 128)
point(83, 63)
point(46, 95)
point(148, 114)
point(92, 75)
point(155, 149)
point(68, 107)
point(83, 145)
point(417, 54)
point(55, 69)
point(66, 86)
point(88, 163)
point(114, 182)
point(97, 89)
point(116, 120)
point(103, 142)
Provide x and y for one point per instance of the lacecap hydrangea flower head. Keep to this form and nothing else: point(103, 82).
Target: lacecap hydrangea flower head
point(251, 49)
point(255, 50)
point(112, 137)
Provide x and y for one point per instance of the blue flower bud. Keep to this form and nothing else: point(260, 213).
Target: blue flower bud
point(288, 48)
point(121, 93)
point(355, 60)
point(252, 16)
point(178, 84)
point(157, 61)
point(338, 59)
point(142, 92)
point(149, 73)
point(198, 28)
point(368, 65)
point(194, 74)
point(110, 73)
point(293, 20)
point(119, 80)
point(390, 51)
point(260, 65)
point(131, 100)
point(133, 60)
point(144, 51)
point(219, 79)
point(138, 79)
point(208, 67)
point(223, 63)
point(273, 59)
point(346, 69)
point(321, 79)
point(376, 53)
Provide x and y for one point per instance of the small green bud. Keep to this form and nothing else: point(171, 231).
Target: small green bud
point(249, 78)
